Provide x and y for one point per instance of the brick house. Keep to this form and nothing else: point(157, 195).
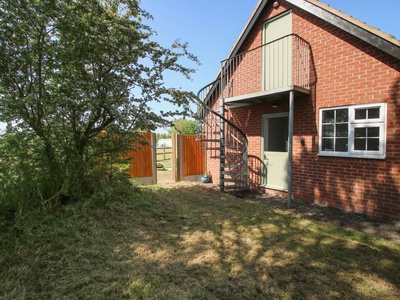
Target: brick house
point(307, 105)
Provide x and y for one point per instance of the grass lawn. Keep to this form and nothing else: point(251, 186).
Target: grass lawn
point(190, 243)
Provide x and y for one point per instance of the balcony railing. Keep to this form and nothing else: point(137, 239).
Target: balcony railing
point(284, 62)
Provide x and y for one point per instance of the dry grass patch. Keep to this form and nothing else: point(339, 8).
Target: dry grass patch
point(191, 243)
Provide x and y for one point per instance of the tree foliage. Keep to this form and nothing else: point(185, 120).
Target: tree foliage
point(183, 126)
point(69, 70)
point(160, 136)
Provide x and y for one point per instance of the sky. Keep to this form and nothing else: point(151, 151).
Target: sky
point(211, 27)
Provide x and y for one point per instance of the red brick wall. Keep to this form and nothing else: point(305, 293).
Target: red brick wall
point(348, 71)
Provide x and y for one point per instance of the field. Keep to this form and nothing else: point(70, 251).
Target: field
point(191, 242)
point(164, 157)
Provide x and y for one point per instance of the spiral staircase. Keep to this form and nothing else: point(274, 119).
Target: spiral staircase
point(223, 141)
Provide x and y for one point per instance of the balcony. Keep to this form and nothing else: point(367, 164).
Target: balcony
point(268, 72)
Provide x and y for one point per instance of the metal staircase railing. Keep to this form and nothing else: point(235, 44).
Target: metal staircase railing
point(269, 70)
point(223, 140)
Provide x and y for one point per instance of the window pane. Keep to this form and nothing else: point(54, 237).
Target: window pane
point(360, 114)
point(277, 134)
point(328, 116)
point(373, 113)
point(327, 144)
point(359, 144)
point(342, 130)
point(360, 132)
point(328, 130)
point(342, 115)
point(373, 132)
point(341, 145)
point(363, 124)
point(373, 144)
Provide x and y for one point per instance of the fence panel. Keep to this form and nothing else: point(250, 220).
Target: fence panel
point(193, 157)
point(143, 164)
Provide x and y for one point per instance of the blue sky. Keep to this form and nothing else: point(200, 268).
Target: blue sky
point(212, 26)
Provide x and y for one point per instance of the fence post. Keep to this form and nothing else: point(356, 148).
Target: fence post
point(176, 157)
point(181, 162)
point(154, 156)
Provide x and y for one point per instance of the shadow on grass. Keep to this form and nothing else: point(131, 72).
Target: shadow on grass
point(195, 243)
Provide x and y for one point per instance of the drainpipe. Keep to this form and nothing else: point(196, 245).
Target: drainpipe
point(291, 104)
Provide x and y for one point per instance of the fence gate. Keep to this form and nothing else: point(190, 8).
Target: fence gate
point(143, 164)
point(188, 159)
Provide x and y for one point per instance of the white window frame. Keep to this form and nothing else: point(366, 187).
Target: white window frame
point(353, 123)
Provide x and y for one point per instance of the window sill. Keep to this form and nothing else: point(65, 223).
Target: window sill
point(353, 155)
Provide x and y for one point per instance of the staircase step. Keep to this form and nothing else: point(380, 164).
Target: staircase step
point(230, 166)
point(234, 180)
point(211, 124)
point(218, 156)
point(230, 173)
point(211, 148)
point(208, 140)
point(208, 132)
point(235, 187)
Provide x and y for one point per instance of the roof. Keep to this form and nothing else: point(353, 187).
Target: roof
point(369, 34)
point(372, 35)
point(357, 22)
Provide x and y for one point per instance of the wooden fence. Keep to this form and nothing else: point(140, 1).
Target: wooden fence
point(143, 163)
point(188, 159)
point(193, 157)
point(164, 153)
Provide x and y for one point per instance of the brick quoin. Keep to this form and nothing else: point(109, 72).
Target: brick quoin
point(347, 71)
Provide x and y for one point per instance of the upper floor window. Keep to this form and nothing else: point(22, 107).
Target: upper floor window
point(353, 131)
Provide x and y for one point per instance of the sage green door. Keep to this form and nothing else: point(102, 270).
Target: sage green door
point(275, 150)
point(277, 52)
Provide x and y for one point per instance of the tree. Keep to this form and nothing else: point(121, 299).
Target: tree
point(72, 69)
point(183, 126)
point(160, 136)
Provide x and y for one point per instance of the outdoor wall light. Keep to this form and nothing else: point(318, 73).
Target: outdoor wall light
point(276, 4)
point(275, 105)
